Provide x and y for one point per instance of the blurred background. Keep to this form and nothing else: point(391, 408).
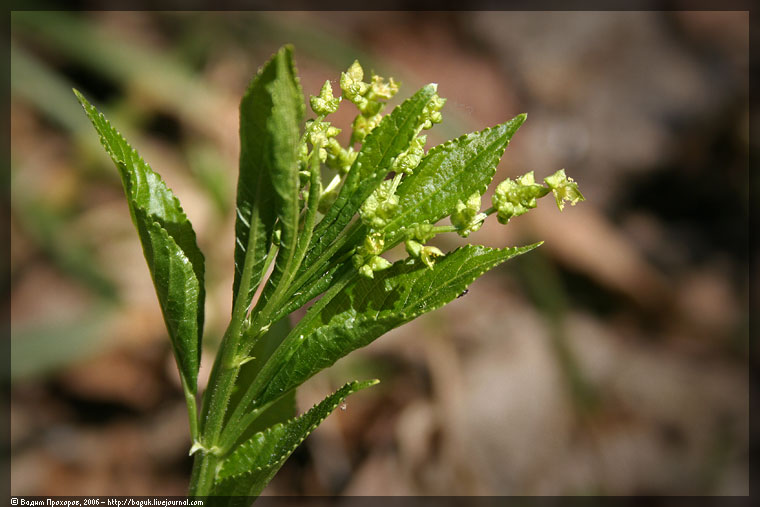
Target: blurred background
point(612, 360)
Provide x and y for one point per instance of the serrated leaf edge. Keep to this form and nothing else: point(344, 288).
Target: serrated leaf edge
point(353, 387)
point(401, 318)
point(449, 145)
point(151, 219)
point(88, 107)
point(150, 223)
point(475, 272)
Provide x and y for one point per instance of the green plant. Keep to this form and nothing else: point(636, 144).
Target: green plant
point(243, 432)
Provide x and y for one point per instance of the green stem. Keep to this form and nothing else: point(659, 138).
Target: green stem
point(239, 421)
point(218, 395)
point(222, 381)
point(319, 265)
point(297, 250)
point(260, 323)
point(230, 361)
point(302, 244)
point(192, 410)
point(395, 183)
point(444, 228)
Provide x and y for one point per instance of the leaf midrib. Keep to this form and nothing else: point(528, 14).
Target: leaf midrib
point(405, 317)
point(429, 197)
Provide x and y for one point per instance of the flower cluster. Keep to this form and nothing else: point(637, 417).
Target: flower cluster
point(516, 197)
point(512, 197)
point(467, 217)
point(380, 207)
point(367, 97)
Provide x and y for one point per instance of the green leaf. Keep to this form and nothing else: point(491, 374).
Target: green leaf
point(448, 173)
point(367, 308)
point(270, 114)
point(462, 166)
point(313, 288)
point(253, 464)
point(178, 292)
point(391, 137)
point(287, 113)
point(266, 344)
point(169, 244)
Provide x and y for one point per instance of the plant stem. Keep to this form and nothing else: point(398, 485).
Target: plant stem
point(221, 382)
point(218, 394)
point(240, 420)
point(444, 228)
point(227, 366)
point(192, 410)
point(299, 250)
point(260, 321)
point(325, 256)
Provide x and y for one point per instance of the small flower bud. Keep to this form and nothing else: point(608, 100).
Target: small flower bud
point(427, 255)
point(367, 265)
point(564, 188)
point(354, 89)
point(408, 161)
point(379, 89)
point(320, 134)
point(380, 206)
point(431, 113)
point(366, 271)
point(413, 248)
point(416, 236)
point(515, 197)
point(363, 125)
point(325, 103)
point(466, 217)
point(374, 243)
point(421, 232)
point(378, 263)
point(338, 158)
point(355, 71)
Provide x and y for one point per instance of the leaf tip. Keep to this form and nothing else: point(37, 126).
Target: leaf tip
point(533, 246)
point(79, 96)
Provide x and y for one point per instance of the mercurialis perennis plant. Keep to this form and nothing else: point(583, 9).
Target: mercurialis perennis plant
point(324, 242)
